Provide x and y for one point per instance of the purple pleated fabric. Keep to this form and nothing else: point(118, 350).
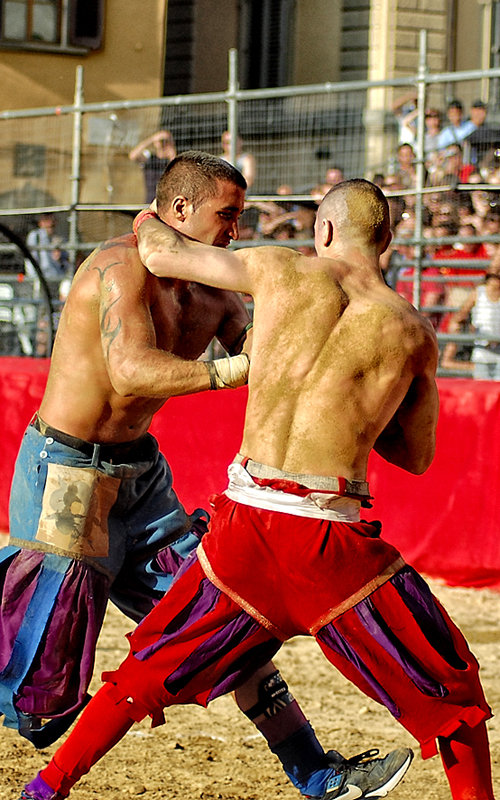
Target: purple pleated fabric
point(18, 578)
point(58, 677)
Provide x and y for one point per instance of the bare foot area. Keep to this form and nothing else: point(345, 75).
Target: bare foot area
point(216, 754)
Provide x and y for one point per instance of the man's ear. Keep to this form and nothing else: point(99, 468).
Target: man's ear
point(326, 232)
point(180, 208)
point(387, 242)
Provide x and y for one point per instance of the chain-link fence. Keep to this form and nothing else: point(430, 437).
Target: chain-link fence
point(92, 166)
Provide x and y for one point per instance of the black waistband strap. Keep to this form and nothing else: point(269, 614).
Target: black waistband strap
point(118, 451)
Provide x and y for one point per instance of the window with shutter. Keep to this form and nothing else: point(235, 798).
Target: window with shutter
point(266, 31)
point(52, 25)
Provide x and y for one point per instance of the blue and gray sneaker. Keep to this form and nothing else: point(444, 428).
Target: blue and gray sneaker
point(365, 776)
point(37, 789)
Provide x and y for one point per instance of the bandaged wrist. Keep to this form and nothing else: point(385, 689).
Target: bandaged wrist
point(228, 373)
point(142, 217)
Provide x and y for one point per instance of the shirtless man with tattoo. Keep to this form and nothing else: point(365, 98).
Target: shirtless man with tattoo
point(93, 512)
point(341, 366)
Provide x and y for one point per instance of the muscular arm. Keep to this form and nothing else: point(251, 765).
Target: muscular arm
point(409, 440)
point(167, 253)
point(135, 365)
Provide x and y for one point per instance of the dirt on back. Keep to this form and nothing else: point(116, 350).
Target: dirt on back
point(216, 754)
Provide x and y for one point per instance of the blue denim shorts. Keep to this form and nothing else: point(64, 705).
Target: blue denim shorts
point(87, 524)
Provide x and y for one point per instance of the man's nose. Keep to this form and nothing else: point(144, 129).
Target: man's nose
point(235, 231)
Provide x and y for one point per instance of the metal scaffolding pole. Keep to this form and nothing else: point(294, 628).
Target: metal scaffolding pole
point(232, 105)
point(76, 166)
point(420, 177)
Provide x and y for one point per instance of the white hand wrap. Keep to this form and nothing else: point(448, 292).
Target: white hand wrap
point(228, 373)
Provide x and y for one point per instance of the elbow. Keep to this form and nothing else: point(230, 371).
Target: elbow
point(151, 262)
point(419, 468)
point(125, 380)
point(421, 462)
point(147, 255)
point(148, 249)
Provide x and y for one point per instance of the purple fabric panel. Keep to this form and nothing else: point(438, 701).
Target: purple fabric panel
point(420, 603)
point(336, 642)
point(58, 678)
point(169, 561)
point(376, 627)
point(223, 641)
point(241, 632)
point(203, 602)
point(18, 578)
point(419, 600)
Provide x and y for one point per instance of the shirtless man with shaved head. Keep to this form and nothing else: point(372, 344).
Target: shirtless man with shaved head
point(93, 512)
point(341, 366)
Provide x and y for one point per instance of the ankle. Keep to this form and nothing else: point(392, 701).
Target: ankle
point(39, 789)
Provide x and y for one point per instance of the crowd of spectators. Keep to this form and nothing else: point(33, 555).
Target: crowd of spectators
point(455, 256)
point(461, 152)
point(455, 218)
point(457, 149)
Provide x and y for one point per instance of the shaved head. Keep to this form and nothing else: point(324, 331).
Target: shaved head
point(359, 211)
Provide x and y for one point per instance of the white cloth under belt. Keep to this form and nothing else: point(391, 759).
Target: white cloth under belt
point(318, 505)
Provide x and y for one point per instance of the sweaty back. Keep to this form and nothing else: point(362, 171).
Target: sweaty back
point(331, 365)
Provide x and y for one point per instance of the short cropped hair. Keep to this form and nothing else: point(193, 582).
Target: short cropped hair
point(194, 175)
point(360, 210)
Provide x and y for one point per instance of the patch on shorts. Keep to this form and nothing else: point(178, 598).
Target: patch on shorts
point(75, 508)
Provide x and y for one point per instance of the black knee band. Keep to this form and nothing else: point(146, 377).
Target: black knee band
point(273, 696)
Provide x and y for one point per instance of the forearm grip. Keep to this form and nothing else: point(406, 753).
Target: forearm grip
point(142, 217)
point(228, 373)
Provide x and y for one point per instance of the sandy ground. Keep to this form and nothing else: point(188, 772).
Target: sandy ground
point(216, 753)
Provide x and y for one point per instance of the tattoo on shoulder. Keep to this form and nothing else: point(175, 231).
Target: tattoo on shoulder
point(111, 323)
point(112, 244)
point(109, 328)
point(103, 270)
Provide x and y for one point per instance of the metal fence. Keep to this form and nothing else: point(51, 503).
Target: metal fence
point(74, 161)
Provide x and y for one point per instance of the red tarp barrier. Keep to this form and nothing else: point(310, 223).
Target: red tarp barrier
point(446, 522)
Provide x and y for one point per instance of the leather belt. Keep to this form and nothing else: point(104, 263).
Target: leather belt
point(117, 452)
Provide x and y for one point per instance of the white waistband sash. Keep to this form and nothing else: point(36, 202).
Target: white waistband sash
point(318, 505)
